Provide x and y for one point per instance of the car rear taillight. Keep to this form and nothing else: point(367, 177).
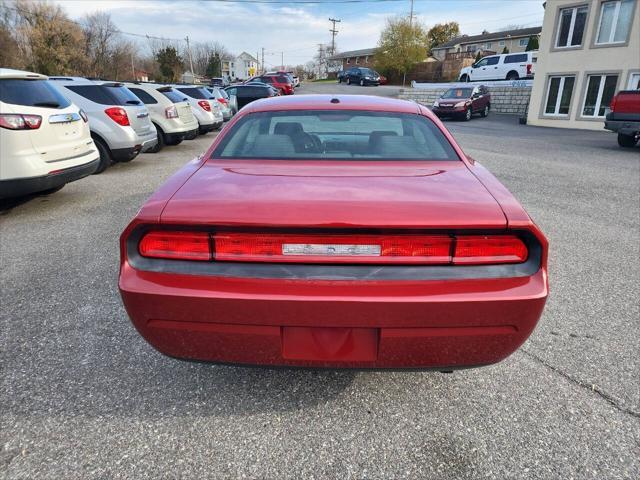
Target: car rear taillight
point(176, 245)
point(223, 101)
point(205, 105)
point(488, 249)
point(171, 112)
point(118, 115)
point(16, 121)
point(440, 249)
point(249, 247)
point(84, 116)
point(529, 67)
point(614, 101)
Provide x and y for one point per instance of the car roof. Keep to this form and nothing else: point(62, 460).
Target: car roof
point(11, 73)
point(327, 102)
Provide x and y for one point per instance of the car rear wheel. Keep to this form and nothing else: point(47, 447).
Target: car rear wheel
point(348, 81)
point(467, 114)
point(105, 156)
point(161, 142)
point(626, 141)
point(513, 75)
point(362, 83)
point(485, 111)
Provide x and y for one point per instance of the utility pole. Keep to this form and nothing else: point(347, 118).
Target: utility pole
point(334, 32)
point(411, 15)
point(133, 69)
point(190, 59)
point(263, 69)
point(404, 75)
point(257, 72)
point(282, 58)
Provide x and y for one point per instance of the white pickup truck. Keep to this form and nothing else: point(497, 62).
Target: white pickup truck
point(508, 66)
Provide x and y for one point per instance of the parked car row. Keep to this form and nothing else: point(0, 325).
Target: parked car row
point(54, 130)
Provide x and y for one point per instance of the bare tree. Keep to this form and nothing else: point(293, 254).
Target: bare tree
point(100, 38)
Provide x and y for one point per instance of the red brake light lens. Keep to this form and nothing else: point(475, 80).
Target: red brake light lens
point(529, 66)
point(379, 249)
point(171, 112)
point(18, 121)
point(118, 115)
point(176, 245)
point(335, 249)
point(489, 249)
point(206, 106)
point(222, 101)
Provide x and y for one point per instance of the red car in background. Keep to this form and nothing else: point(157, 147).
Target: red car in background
point(281, 82)
point(463, 102)
point(334, 231)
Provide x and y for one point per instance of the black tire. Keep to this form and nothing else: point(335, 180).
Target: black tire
point(105, 156)
point(339, 80)
point(361, 83)
point(348, 81)
point(174, 142)
point(485, 111)
point(49, 191)
point(512, 75)
point(467, 115)
point(626, 141)
point(161, 143)
point(464, 78)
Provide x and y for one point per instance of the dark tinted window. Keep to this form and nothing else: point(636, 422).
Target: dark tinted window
point(493, 60)
point(266, 79)
point(105, 95)
point(231, 91)
point(172, 94)
point(193, 92)
point(516, 58)
point(144, 96)
point(335, 135)
point(31, 93)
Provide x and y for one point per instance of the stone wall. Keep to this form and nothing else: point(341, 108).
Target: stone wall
point(504, 99)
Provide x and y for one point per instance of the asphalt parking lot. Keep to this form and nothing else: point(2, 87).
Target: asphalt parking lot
point(83, 396)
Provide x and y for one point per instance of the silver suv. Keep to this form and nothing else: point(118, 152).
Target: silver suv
point(119, 121)
point(204, 106)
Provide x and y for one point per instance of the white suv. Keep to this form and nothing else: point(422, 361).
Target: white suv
point(44, 139)
point(508, 66)
point(204, 106)
point(119, 121)
point(170, 113)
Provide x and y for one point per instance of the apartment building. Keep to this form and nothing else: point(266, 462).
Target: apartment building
point(589, 50)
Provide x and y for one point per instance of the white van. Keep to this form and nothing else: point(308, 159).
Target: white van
point(45, 140)
point(508, 66)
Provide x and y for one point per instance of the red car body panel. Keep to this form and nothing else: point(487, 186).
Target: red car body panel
point(320, 320)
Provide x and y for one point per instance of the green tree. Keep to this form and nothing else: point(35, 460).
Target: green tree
point(532, 44)
point(214, 66)
point(170, 64)
point(401, 45)
point(442, 33)
point(478, 55)
point(505, 50)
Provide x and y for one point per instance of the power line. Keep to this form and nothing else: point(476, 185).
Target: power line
point(334, 32)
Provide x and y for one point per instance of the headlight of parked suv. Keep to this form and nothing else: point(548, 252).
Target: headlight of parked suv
point(436, 103)
point(460, 104)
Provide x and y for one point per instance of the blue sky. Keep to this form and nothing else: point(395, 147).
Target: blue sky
point(296, 29)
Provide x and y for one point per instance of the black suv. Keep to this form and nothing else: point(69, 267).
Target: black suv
point(360, 75)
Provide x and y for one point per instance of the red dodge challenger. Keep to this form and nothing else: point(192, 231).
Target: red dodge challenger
point(334, 231)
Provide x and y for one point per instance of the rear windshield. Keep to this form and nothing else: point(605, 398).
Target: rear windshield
point(31, 93)
point(106, 94)
point(193, 92)
point(457, 93)
point(173, 95)
point(335, 135)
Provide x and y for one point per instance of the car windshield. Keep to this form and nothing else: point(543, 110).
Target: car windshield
point(367, 71)
point(335, 135)
point(457, 93)
point(31, 93)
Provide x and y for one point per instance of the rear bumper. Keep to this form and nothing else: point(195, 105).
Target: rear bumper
point(335, 324)
point(17, 187)
point(625, 127)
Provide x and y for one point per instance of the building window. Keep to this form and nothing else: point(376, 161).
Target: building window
point(615, 21)
point(523, 42)
point(366, 59)
point(487, 45)
point(559, 95)
point(501, 43)
point(634, 82)
point(472, 48)
point(600, 91)
point(571, 26)
point(357, 60)
point(348, 61)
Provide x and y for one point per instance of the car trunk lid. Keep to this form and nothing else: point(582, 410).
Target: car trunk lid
point(335, 194)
